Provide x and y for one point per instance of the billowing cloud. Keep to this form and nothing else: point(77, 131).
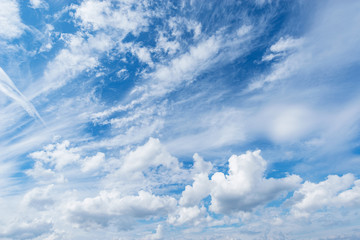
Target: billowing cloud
point(245, 186)
point(335, 191)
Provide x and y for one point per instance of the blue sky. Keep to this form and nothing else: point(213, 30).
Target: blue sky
point(124, 119)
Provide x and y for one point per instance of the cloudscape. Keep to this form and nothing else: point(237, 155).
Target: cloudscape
point(179, 119)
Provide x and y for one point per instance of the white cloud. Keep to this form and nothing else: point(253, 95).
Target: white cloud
point(186, 215)
point(25, 229)
point(93, 163)
point(285, 44)
point(127, 15)
point(245, 187)
point(108, 206)
point(159, 234)
point(167, 46)
point(283, 47)
point(184, 68)
point(144, 55)
point(39, 197)
point(8, 87)
point(44, 175)
point(38, 4)
point(10, 21)
point(153, 153)
point(80, 55)
point(336, 191)
point(201, 187)
point(58, 155)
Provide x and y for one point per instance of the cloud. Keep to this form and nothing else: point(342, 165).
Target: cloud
point(201, 187)
point(245, 187)
point(81, 54)
point(38, 4)
point(153, 153)
point(109, 206)
point(10, 21)
point(8, 87)
point(335, 191)
point(26, 229)
point(58, 155)
point(44, 175)
point(188, 215)
point(159, 234)
point(39, 197)
point(128, 16)
point(285, 44)
point(93, 163)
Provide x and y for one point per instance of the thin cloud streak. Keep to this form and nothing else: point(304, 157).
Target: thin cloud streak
point(8, 87)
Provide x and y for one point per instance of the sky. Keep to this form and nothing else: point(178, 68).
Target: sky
point(179, 119)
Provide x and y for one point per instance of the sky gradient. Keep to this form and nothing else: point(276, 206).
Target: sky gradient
point(191, 119)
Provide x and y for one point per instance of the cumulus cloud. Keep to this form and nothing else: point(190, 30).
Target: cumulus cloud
point(10, 21)
point(188, 215)
point(335, 191)
point(108, 206)
point(245, 186)
point(58, 155)
point(43, 174)
point(153, 153)
point(201, 187)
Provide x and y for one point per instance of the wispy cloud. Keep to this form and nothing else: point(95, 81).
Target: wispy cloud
point(8, 87)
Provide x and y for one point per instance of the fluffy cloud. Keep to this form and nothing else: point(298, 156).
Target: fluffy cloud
point(58, 155)
point(10, 21)
point(335, 191)
point(125, 15)
point(110, 206)
point(93, 163)
point(188, 215)
point(201, 186)
point(153, 153)
point(245, 187)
